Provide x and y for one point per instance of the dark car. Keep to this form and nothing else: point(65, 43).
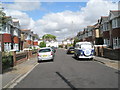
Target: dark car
point(70, 50)
point(54, 49)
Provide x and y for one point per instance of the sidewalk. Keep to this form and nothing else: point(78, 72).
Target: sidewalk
point(110, 63)
point(19, 70)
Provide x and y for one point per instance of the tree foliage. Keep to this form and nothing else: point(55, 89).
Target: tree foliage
point(49, 37)
point(42, 44)
point(75, 41)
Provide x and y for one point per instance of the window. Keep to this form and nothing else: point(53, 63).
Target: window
point(107, 42)
point(116, 42)
point(16, 47)
point(44, 50)
point(118, 22)
point(114, 23)
point(7, 46)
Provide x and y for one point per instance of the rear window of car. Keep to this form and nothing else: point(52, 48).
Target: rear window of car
point(44, 50)
point(71, 48)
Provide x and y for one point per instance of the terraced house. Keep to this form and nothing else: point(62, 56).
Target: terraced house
point(106, 31)
point(13, 38)
point(110, 28)
point(10, 34)
point(28, 39)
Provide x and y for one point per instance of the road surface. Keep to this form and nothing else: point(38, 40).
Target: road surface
point(67, 72)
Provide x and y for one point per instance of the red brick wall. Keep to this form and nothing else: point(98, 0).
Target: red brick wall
point(116, 32)
point(28, 41)
point(7, 38)
point(106, 34)
point(89, 39)
point(35, 43)
point(16, 39)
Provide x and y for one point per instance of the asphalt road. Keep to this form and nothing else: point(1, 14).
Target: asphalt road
point(67, 72)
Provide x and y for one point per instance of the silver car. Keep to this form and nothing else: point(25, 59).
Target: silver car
point(45, 54)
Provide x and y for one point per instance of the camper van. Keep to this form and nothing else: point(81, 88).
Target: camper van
point(84, 50)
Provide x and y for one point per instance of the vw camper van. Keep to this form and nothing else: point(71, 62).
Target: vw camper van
point(84, 50)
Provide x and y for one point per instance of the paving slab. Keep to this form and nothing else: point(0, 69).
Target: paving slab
point(108, 62)
point(17, 71)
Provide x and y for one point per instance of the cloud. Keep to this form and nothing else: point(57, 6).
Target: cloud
point(25, 21)
point(23, 5)
point(67, 23)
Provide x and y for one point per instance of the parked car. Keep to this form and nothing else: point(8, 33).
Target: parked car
point(70, 50)
point(45, 54)
point(54, 49)
point(84, 50)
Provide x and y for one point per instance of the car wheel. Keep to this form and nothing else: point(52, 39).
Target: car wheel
point(91, 58)
point(77, 57)
point(38, 61)
point(52, 59)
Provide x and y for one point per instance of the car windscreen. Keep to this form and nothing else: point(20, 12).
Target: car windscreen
point(44, 50)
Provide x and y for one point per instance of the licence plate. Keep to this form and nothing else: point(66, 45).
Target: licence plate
point(44, 55)
point(72, 51)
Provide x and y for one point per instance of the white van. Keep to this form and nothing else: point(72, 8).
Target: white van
point(84, 50)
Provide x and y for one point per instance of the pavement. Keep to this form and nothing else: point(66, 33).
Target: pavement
point(9, 77)
point(108, 62)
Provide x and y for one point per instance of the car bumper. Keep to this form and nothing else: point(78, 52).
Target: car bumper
point(86, 57)
point(47, 58)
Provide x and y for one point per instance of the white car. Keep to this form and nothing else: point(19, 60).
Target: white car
point(45, 54)
point(84, 50)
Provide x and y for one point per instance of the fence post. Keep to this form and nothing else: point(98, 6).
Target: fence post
point(14, 58)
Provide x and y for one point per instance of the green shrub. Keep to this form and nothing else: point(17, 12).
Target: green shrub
point(7, 60)
point(42, 44)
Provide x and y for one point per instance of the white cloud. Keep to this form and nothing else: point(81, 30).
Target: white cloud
point(67, 23)
point(23, 5)
point(25, 21)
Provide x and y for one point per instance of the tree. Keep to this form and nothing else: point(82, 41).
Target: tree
point(75, 41)
point(49, 37)
point(42, 44)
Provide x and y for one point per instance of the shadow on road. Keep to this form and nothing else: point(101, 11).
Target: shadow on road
point(66, 81)
point(45, 61)
point(81, 59)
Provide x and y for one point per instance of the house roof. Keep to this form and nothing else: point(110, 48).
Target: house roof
point(7, 16)
point(116, 13)
point(104, 19)
point(25, 30)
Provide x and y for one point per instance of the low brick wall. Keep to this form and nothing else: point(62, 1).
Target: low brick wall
point(111, 54)
point(107, 53)
point(23, 56)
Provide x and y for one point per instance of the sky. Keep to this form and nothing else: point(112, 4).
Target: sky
point(62, 19)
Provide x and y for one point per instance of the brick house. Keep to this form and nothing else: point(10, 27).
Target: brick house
point(5, 34)
point(35, 40)
point(105, 29)
point(28, 39)
point(16, 34)
point(89, 34)
point(10, 34)
point(96, 34)
point(110, 29)
point(114, 19)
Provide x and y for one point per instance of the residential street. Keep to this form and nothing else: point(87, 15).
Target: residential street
point(67, 72)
